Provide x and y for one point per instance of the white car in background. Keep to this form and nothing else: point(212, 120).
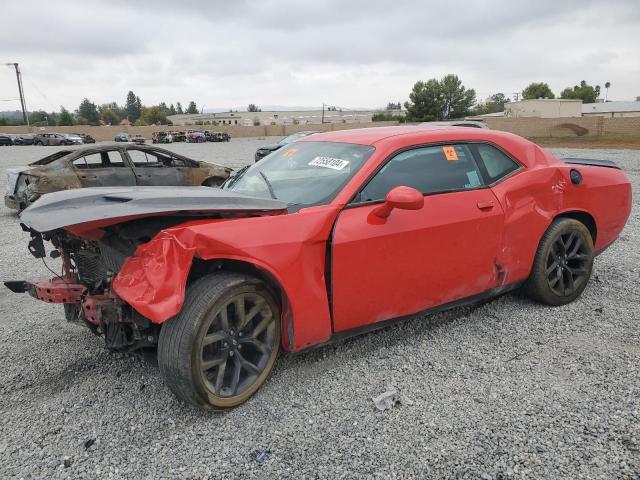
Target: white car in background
point(73, 138)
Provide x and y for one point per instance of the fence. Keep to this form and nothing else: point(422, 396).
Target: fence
point(526, 127)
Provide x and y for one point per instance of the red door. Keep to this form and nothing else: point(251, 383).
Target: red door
point(415, 259)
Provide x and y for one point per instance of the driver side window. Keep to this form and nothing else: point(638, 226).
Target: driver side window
point(441, 168)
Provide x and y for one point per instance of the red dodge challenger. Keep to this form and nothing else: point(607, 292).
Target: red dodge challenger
point(334, 235)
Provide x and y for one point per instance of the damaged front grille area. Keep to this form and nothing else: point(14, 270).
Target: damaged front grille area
point(84, 285)
point(90, 266)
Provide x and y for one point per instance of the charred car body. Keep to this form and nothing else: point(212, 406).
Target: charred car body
point(104, 166)
point(321, 240)
point(52, 139)
point(23, 139)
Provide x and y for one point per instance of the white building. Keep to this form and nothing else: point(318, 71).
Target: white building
point(611, 109)
point(544, 108)
point(304, 117)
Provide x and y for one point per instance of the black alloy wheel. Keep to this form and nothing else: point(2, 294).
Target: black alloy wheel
point(223, 344)
point(567, 264)
point(563, 263)
point(238, 344)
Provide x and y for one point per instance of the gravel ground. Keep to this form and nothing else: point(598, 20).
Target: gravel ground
point(509, 389)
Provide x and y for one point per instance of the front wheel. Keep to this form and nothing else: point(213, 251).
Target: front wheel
point(563, 263)
point(222, 346)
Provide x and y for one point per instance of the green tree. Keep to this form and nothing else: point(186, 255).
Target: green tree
point(425, 101)
point(438, 100)
point(253, 108)
point(495, 103)
point(154, 115)
point(606, 85)
point(109, 116)
point(499, 100)
point(537, 90)
point(132, 107)
point(172, 110)
point(192, 108)
point(394, 106)
point(65, 118)
point(584, 92)
point(457, 100)
point(39, 116)
point(179, 110)
point(80, 120)
point(89, 110)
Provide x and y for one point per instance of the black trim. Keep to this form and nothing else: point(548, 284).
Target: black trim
point(486, 295)
point(590, 162)
point(19, 286)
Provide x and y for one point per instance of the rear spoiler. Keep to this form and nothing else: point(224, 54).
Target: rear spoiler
point(593, 163)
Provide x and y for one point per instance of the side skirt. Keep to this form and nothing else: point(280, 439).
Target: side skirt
point(486, 295)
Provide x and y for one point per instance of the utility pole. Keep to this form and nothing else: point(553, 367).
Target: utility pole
point(516, 95)
point(22, 103)
point(322, 113)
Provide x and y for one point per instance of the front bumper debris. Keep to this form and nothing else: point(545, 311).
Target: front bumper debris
point(56, 290)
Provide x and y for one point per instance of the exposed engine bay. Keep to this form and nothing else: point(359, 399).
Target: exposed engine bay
point(94, 230)
point(84, 285)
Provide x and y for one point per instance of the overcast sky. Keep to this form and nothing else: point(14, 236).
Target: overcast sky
point(345, 53)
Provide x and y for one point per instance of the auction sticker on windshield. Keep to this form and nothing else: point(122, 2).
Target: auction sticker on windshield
point(328, 162)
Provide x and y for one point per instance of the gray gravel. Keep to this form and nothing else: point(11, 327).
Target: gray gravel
point(509, 389)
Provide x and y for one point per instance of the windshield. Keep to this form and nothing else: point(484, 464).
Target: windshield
point(304, 173)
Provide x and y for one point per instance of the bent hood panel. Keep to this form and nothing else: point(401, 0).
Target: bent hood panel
point(110, 205)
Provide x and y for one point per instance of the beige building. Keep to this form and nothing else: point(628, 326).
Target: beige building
point(224, 118)
point(611, 109)
point(544, 108)
point(304, 117)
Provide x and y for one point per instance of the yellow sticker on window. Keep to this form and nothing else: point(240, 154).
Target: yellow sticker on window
point(450, 153)
point(290, 153)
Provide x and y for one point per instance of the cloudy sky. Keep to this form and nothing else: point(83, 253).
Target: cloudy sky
point(292, 53)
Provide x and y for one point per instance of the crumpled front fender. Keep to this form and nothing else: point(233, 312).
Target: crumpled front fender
point(153, 280)
point(291, 249)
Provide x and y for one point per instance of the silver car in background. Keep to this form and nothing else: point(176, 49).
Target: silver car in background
point(73, 139)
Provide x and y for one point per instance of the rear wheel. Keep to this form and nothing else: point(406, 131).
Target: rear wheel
point(223, 344)
point(563, 263)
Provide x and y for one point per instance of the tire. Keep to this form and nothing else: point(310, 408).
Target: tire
point(563, 263)
point(209, 373)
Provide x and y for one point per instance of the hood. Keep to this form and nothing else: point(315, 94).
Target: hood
point(111, 205)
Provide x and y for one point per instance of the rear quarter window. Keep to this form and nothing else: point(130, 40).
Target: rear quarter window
point(494, 162)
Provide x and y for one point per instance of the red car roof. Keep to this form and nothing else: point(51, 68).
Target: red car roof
point(524, 150)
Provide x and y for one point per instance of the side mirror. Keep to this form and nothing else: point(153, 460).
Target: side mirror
point(404, 198)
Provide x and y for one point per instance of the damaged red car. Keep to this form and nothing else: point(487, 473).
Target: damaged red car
point(331, 236)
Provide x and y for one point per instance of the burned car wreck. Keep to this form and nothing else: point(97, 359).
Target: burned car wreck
point(106, 166)
point(336, 234)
